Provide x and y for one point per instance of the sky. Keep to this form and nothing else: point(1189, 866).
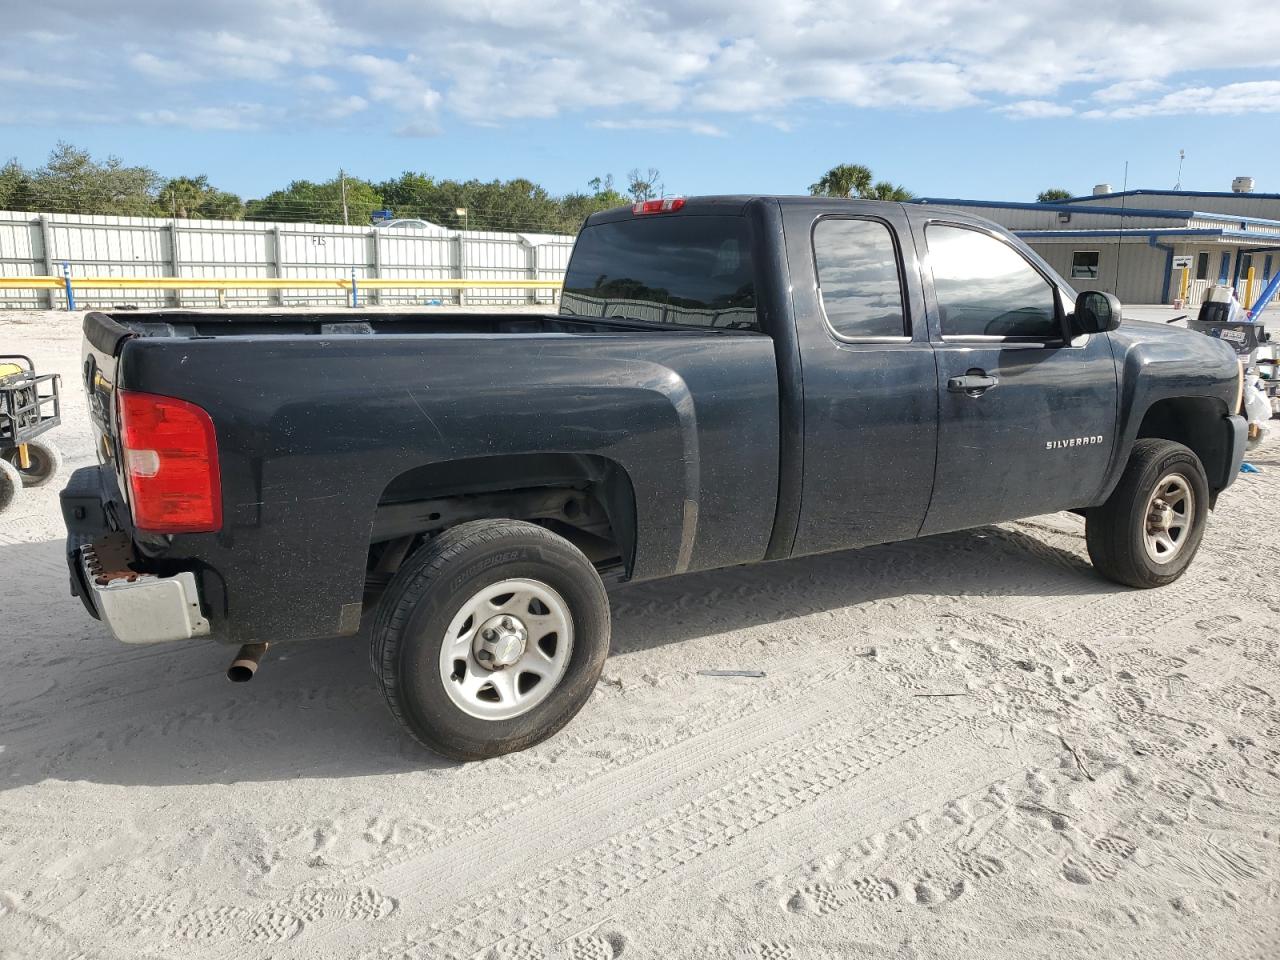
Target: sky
point(990, 100)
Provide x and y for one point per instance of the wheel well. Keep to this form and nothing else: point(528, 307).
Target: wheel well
point(587, 499)
point(1194, 422)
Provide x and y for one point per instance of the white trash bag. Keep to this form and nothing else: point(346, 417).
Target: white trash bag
point(1257, 407)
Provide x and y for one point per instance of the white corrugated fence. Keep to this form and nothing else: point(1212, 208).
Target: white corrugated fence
point(37, 244)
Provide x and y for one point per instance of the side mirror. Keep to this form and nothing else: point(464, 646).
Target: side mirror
point(1097, 312)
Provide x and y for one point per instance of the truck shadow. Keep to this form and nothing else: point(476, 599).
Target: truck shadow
point(76, 705)
point(991, 561)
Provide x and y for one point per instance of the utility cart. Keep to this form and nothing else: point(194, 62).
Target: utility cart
point(1256, 351)
point(30, 406)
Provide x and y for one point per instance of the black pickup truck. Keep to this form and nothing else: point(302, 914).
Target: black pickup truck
point(728, 380)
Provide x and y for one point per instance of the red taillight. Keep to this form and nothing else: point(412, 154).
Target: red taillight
point(665, 205)
point(171, 463)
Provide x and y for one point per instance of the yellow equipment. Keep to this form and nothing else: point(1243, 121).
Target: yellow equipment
point(30, 405)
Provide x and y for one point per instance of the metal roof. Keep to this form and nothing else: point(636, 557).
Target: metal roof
point(1098, 210)
point(1141, 232)
point(1063, 207)
point(1178, 193)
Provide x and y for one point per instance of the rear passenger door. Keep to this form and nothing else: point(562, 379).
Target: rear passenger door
point(870, 409)
point(1027, 412)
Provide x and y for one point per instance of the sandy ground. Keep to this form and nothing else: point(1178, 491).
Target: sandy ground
point(964, 746)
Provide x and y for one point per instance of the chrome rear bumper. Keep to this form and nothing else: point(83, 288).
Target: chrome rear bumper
point(142, 607)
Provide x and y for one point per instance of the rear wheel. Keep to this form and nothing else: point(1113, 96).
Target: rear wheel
point(10, 484)
point(44, 461)
point(1149, 530)
point(490, 638)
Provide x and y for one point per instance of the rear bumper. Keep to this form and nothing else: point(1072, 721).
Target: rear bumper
point(139, 607)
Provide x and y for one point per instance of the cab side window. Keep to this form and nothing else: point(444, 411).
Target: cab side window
point(985, 288)
point(858, 278)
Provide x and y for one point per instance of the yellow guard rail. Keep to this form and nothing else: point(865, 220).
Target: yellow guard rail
point(350, 285)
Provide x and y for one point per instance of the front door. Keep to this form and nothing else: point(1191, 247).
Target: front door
point(1027, 414)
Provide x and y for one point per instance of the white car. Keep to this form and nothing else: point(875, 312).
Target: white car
point(426, 226)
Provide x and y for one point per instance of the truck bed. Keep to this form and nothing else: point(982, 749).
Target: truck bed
point(324, 421)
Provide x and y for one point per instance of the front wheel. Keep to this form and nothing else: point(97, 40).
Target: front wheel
point(490, 638)
point(1149, 530)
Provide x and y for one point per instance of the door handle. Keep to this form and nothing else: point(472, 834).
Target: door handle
point(974, 384)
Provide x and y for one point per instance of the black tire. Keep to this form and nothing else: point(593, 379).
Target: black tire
point(10, 484)
point(1115, 532)
point(431, 588)
point(45, 460)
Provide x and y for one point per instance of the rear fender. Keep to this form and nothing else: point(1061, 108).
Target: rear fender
point(520, 486)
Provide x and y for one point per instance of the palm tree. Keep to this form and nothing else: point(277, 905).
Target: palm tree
point(845, 180)
point(854, 180)
point(193, 198)
point(884, 190)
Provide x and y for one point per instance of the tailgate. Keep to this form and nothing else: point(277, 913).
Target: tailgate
point(100, 360)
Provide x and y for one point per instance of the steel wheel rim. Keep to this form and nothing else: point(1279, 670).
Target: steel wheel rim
point(493, 688)
point(1168, 518)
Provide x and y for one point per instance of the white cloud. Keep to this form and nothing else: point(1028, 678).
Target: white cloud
point(396, 83)
point(1127, 90)
point(424, 127)
point(693, 126)
point(253, 58)
point(318, 82)
point(429, 63)
point(21, 76)
point(1035, 109)
point(158, 68)
point(778, 123)
point(345, 107)
point(245, 116)
point(1258, 96)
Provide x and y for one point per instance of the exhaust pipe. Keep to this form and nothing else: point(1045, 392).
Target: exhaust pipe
point(245, 665)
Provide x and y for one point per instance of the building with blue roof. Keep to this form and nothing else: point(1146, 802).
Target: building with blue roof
point(1133, 242)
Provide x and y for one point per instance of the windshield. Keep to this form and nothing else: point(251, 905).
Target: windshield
point(686, 270)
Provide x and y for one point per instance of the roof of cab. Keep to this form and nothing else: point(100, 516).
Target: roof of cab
point(728, 205)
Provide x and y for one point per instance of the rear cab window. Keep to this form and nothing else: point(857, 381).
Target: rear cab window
point(859, 279)
point(667, 270)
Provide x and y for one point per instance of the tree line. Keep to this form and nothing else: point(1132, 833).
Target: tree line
point(72, 181)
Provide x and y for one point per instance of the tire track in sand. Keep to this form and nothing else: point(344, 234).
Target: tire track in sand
point(570, 889)
point(712, 746)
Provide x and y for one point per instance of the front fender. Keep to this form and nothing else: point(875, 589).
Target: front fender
point(1176, 384)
